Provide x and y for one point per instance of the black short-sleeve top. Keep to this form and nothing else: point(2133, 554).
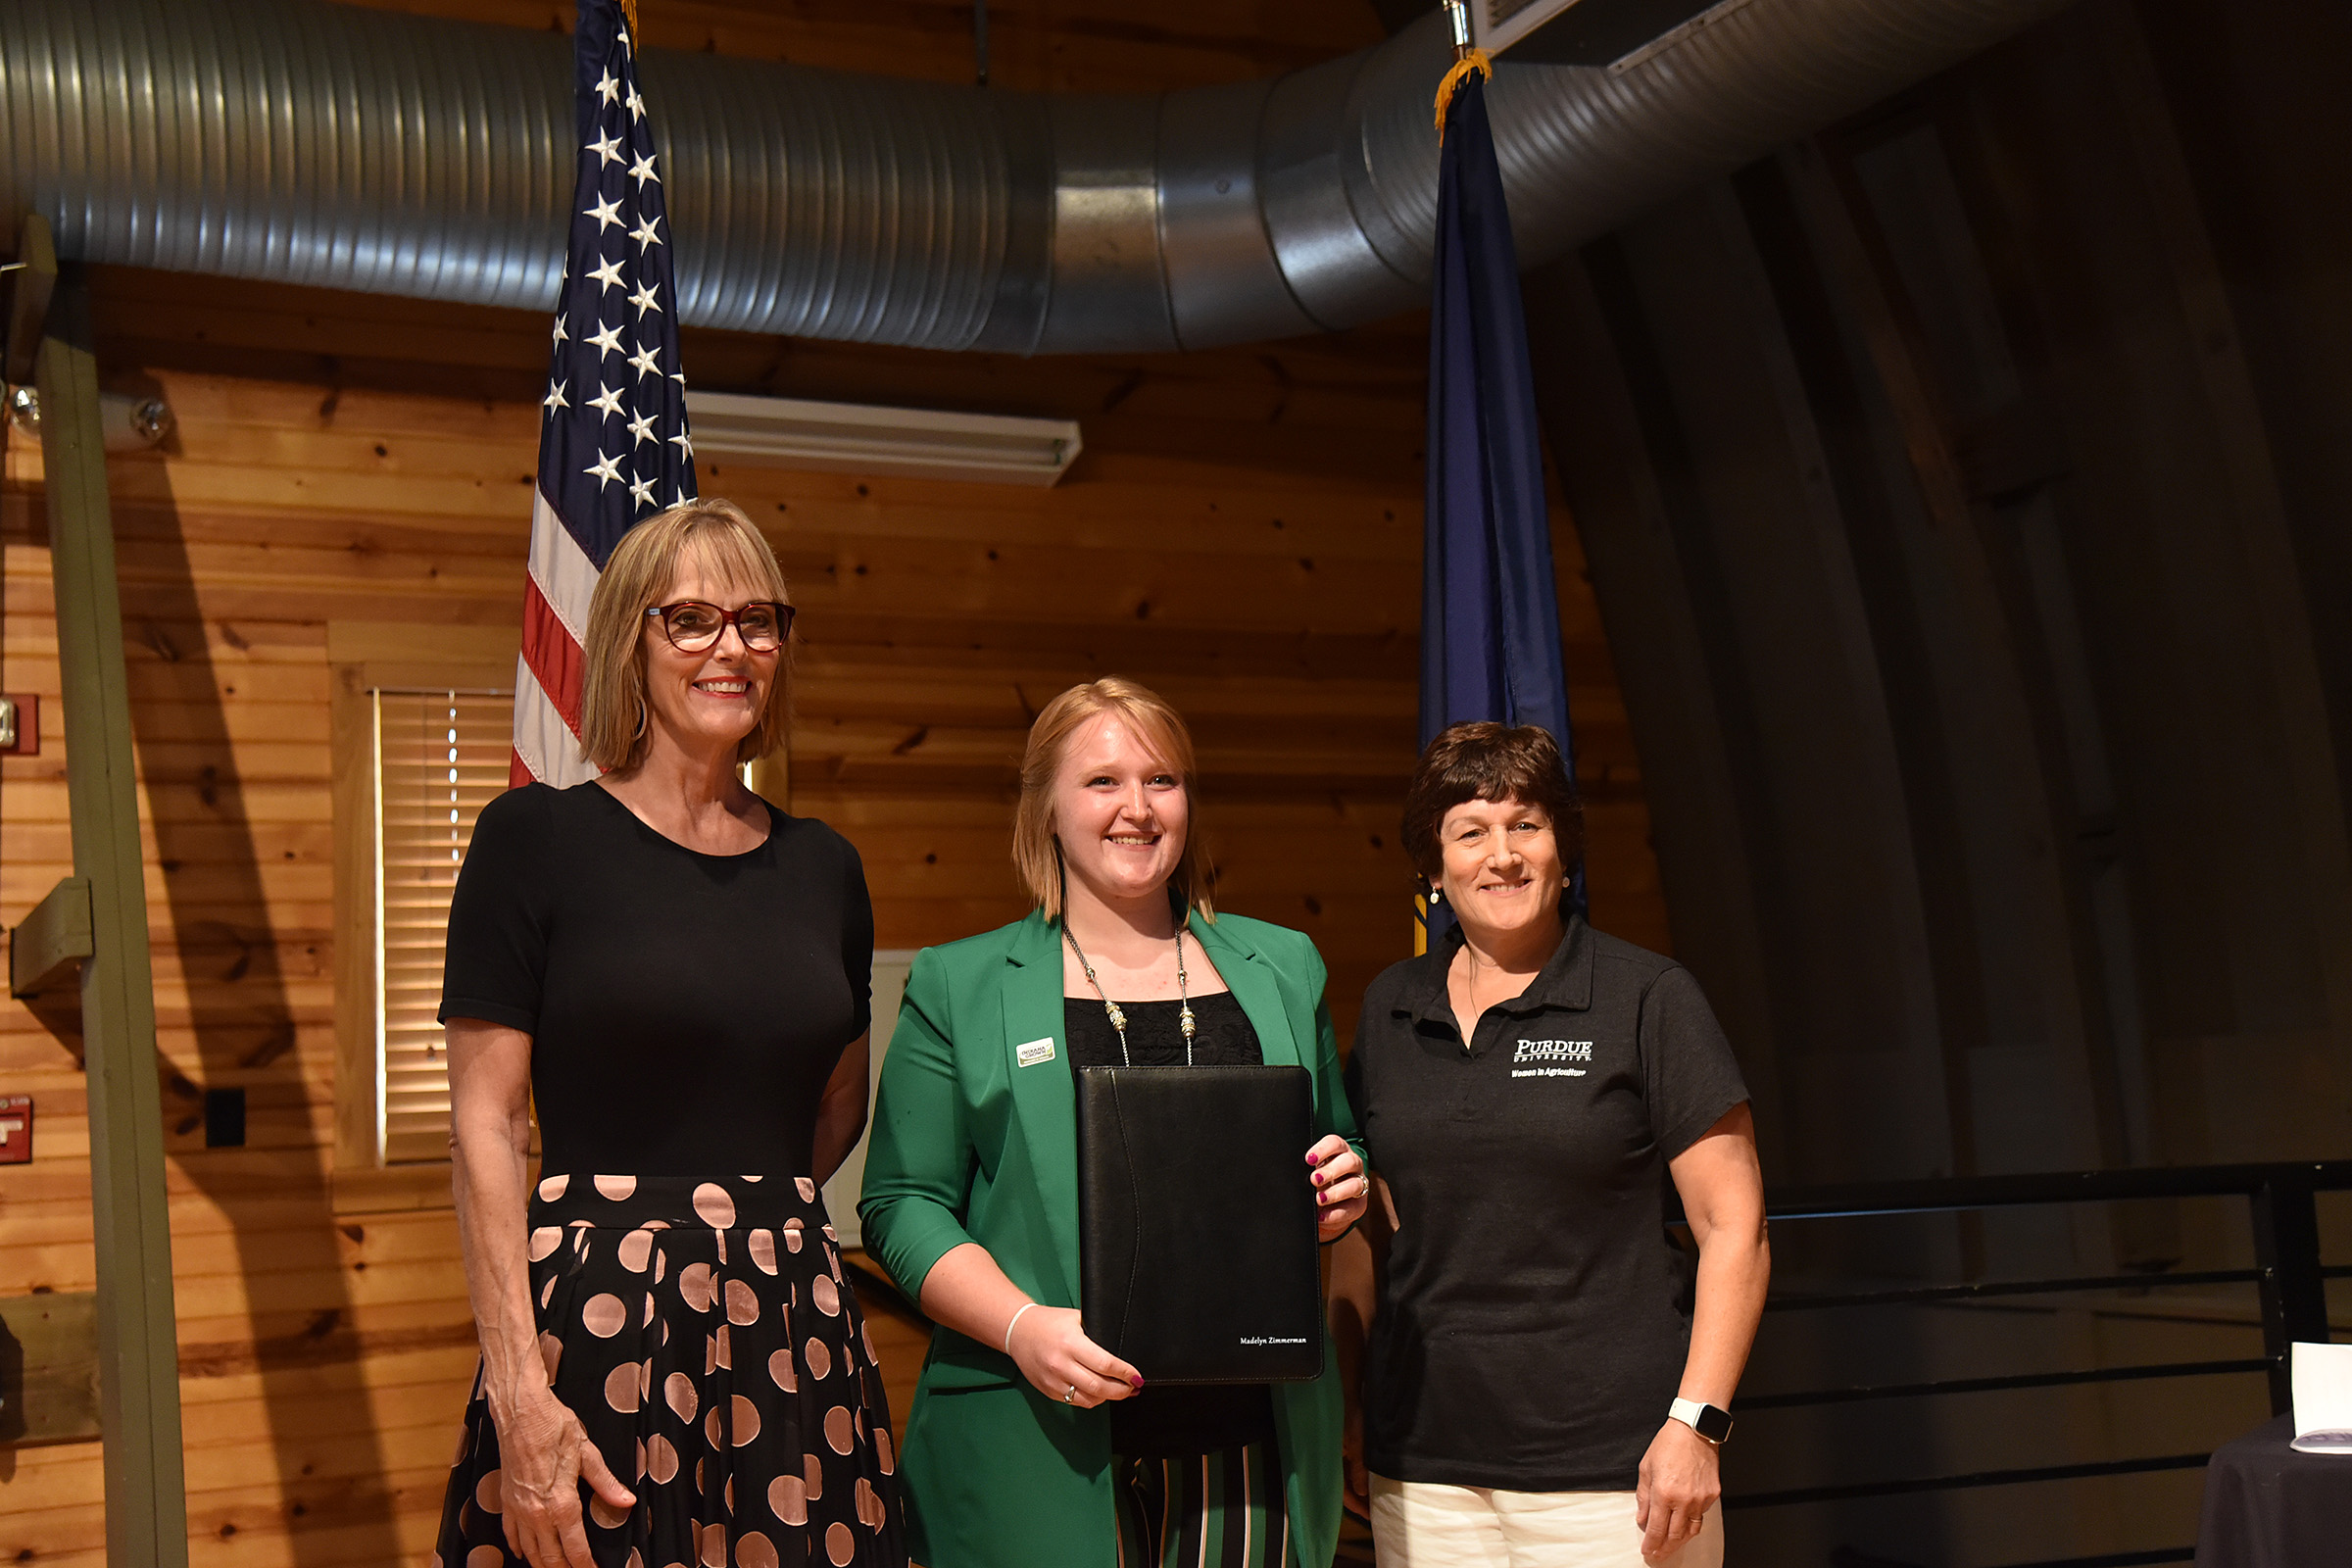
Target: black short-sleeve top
point(1534, 1313)
point(685, 1009)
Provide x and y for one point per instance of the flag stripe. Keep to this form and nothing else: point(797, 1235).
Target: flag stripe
point(551, 656)
point(561, 570)
point(547, 744)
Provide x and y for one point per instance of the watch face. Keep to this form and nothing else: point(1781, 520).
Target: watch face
point(1714, 1423)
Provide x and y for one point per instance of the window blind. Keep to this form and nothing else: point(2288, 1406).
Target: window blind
point(440, 756)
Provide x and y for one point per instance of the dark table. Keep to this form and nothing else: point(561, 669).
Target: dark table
point(2268, 1507)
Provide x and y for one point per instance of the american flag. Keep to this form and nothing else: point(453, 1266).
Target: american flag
point(612, 442)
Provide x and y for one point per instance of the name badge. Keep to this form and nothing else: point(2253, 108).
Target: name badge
point(1035, 1052)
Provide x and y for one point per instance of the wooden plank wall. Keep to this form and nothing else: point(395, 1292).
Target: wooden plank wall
point(1242, 533)
point(1034, 45)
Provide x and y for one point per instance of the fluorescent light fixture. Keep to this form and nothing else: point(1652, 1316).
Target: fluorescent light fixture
point(866, 439)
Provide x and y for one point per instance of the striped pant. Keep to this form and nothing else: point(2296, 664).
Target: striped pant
point(1208, 1510)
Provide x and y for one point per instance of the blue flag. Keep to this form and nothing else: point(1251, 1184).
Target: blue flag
point(1489, 612)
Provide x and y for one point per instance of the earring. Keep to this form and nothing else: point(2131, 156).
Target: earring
point(641, 719)
point(1437, 894)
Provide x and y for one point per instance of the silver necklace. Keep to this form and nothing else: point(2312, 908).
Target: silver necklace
point(1118, 1018)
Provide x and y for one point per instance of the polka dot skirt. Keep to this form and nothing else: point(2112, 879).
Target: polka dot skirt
point(704, 1334)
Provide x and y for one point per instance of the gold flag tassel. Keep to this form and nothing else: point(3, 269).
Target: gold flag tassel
point(1477, 60)
point(628, 14)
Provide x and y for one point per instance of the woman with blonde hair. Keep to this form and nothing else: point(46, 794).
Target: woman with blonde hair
point(1028, 1443)
point(674, 973)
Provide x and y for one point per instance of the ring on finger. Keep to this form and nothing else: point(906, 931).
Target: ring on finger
point(1070, 1396)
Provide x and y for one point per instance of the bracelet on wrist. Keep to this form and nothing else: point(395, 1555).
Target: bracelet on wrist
point(1017, 1317)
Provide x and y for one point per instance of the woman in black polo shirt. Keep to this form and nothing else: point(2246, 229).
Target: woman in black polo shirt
point(1548, 1377)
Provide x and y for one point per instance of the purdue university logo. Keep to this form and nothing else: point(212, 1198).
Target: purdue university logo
point(1549, 1058)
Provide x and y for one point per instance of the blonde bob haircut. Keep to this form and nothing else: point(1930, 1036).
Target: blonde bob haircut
point(1036, 850)
point(718, 538)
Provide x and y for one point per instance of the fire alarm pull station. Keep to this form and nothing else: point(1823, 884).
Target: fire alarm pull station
point(16, 1129)
point(19, 725)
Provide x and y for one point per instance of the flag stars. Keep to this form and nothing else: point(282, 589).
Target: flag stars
point(608, 274)
point(562, 336)
point(647, 361)
point(683, 443)
point(608, 338)
point(641, 429)
point(554, 399)
point(640, 491)
point(642, 171)
point(606, 148)
point(647, 233)
point(644, 300)
point(607, 88)
point(605, 212)
point(607, 398)
point(606, 469)
point(636, 105)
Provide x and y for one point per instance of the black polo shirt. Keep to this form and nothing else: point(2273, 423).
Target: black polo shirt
point(1534, 1314)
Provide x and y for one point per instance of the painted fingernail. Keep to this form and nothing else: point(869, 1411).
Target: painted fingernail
point(1138, 1382)
point(1315, 1160)
point(1316, 1178)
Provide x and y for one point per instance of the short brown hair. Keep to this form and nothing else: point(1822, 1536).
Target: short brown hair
point(1037, 852)
point(1483, 761)
point(613, 714)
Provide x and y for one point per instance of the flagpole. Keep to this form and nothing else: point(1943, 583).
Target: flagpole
point(1465, 60)
point(1458, 15)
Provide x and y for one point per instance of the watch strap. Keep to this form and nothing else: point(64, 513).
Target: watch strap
point(1711, 1421)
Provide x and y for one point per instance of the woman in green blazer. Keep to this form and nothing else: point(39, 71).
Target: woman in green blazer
point(1028, 1444)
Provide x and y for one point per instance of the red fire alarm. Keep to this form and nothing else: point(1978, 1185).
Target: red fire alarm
point(16, 1129)
point(19, 725)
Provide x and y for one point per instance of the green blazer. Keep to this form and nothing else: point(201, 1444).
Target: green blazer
point(969, 1145)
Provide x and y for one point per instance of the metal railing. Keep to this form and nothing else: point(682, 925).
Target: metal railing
point(2288, 1275)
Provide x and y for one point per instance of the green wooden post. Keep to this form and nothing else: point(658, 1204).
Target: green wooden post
point(138, 1355)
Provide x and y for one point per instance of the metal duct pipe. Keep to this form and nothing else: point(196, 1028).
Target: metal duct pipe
point(349, 148)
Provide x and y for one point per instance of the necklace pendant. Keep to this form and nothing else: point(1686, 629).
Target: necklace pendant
point(1118, 1016)
point(1185, 1021)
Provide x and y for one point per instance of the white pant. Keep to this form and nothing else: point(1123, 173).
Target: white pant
point(1417, 1524)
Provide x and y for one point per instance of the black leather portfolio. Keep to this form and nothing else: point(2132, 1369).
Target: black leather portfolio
point(1197, 1225)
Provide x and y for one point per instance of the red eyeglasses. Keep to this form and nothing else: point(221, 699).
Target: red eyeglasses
point(692, 626)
